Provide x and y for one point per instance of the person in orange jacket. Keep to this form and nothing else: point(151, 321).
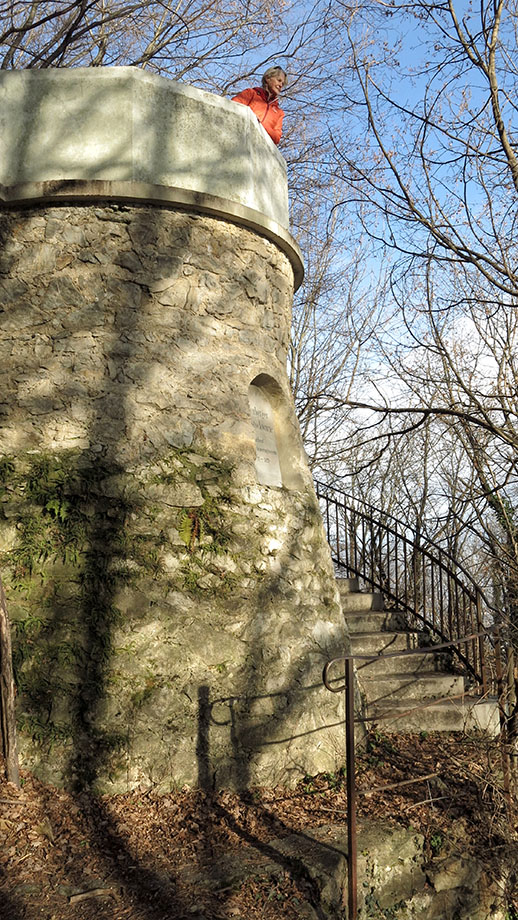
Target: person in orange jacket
point(264, 101)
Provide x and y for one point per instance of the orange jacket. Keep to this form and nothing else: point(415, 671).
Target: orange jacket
point(268, 112)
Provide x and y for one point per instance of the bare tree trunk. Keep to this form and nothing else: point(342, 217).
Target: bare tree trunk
point(7, 696)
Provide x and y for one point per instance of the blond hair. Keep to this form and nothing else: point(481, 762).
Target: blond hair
point(271, 72)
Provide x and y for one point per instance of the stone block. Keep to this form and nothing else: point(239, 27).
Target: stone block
point(453, 872)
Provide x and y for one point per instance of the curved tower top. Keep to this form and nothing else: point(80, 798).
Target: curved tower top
point(128, 135)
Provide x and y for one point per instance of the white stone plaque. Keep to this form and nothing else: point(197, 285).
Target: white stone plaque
point(267, 458)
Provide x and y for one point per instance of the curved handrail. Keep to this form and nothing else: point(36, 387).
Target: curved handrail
point(378, 513)
point(414, 574)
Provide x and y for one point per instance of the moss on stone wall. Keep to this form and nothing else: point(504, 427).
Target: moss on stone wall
point(73, 533)
point(131, 591)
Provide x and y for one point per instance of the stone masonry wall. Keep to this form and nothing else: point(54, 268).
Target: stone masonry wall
point(135, 329)
point(171, 615)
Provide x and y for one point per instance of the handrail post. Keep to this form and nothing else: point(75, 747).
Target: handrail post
point(481, 650)
point(352, 876)
point(503, 707)
point(511, 722)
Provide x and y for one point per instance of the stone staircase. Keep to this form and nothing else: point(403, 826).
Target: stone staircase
point(408, 693)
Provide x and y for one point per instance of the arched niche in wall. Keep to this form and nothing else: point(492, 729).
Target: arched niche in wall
point(278, 460)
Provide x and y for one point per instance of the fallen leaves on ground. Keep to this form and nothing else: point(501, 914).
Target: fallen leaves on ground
point(190, 854)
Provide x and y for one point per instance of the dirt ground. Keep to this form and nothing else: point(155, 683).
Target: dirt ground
point(192, 856)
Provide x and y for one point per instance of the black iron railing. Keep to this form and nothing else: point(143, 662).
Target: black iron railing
point(414, 575)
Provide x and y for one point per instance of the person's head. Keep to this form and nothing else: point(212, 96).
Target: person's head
point(274, 80)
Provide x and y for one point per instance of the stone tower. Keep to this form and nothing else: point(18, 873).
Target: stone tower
point(169, 583)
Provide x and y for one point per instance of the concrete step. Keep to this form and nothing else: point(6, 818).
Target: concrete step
point(347, 586)
point(411, 686)
point(384, 666)
point(363, 600)
point(453, 715)
point(377, 643)
point(396, 716)
point(375, 621)
point(481, 714)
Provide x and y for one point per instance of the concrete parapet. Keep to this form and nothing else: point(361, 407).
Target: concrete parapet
point(123, 134)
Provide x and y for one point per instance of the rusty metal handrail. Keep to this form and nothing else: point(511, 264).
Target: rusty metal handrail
point(348, 687)
point(414, 574)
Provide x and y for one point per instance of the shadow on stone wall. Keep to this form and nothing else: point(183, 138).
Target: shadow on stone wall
point(254, 719)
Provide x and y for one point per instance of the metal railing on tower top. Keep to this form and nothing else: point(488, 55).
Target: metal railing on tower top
point(414, 575)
